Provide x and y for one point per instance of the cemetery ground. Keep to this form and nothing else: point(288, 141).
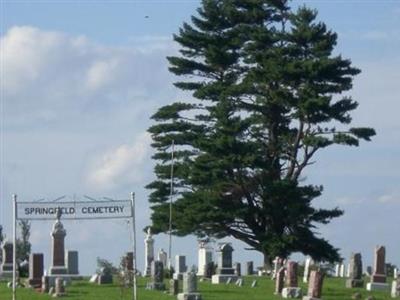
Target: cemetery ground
point(333, 289)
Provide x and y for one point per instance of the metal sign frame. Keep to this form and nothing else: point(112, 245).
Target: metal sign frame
point(132, 215)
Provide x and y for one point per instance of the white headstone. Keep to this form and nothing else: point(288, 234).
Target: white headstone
point(348, 271)
point(342, 270)
point(163, 257)
point(180, 264)
point(205, 257)
point(337, 270)
point(307, 266)
point(148, 252)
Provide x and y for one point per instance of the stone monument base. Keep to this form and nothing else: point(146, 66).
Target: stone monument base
point(222, 278)
point(374, 286)
point(4, 275)
point(58, 271)
point(310, 298)
point(189, 296)
point(291, 292)
point(34, 282)
point(354, 283)
point(66, 278)
point(159, 286)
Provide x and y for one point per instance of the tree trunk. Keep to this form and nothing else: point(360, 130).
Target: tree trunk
point(267, 261)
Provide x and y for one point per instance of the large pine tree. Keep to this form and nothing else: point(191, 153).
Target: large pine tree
point(267, 95)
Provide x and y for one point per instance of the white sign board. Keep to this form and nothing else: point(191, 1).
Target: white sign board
point(74, 210)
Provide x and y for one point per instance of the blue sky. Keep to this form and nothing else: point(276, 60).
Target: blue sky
point(79, 80)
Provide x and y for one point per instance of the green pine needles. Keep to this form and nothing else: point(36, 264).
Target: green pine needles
point(268, 94)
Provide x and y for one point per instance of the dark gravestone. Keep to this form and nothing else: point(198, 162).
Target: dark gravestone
point(355, 279)
point(291, 290)
point(129, 261)
point(209, 271)
point(58, 258)
point(249, 268)
point(378, 278)
point(238, 269)
point(291, 279)
point(7, 264)
point(279, 280)
point(157, 276)
point(315, 286)
point(105, 277)
point(379, 274)
point(72, 262)
point(35, 270)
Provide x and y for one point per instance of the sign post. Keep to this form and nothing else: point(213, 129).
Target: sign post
point(14, 283)
point(76, 210)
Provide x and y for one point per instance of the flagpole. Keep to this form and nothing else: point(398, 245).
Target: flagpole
point(134, 290)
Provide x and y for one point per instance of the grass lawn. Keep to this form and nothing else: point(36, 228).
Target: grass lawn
point(82, 290)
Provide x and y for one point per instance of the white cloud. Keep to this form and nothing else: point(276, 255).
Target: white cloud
point(121, 165)
point(49, 75)
point(389, 198)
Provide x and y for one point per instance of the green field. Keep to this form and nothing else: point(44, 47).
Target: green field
point(82, 290)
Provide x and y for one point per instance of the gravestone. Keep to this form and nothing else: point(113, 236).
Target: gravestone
point(342, 270)
point(94, 278)
point(45, 284)
point(72, 262)
point(238, 269)
point(59, 288)
point(278, 263)
point(291, 290)
point(104, 277)
point(157, 276)
point(307, 266)
point(209, 270)
point(225, 269)
point(205, 257)
point(128, 264)
point(189, 287)
point(58, 234)
point(35, 270)
point(6, 268)
point(180, 266)
point(355, 272)
point(348, 271)
point(279, 280)
point(254, 284)
point(249, 268)
point(174, 286)
point(163, 257)
point(149, 252)
point(337, 270)
point(396, 288)
point(378, 278)
point(315, 286)
point(239, 282)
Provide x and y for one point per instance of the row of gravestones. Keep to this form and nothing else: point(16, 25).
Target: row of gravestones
point(205, 262)
point(36, 265)
point(378, 278)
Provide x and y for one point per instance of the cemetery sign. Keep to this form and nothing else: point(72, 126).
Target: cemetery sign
point(74, 210)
